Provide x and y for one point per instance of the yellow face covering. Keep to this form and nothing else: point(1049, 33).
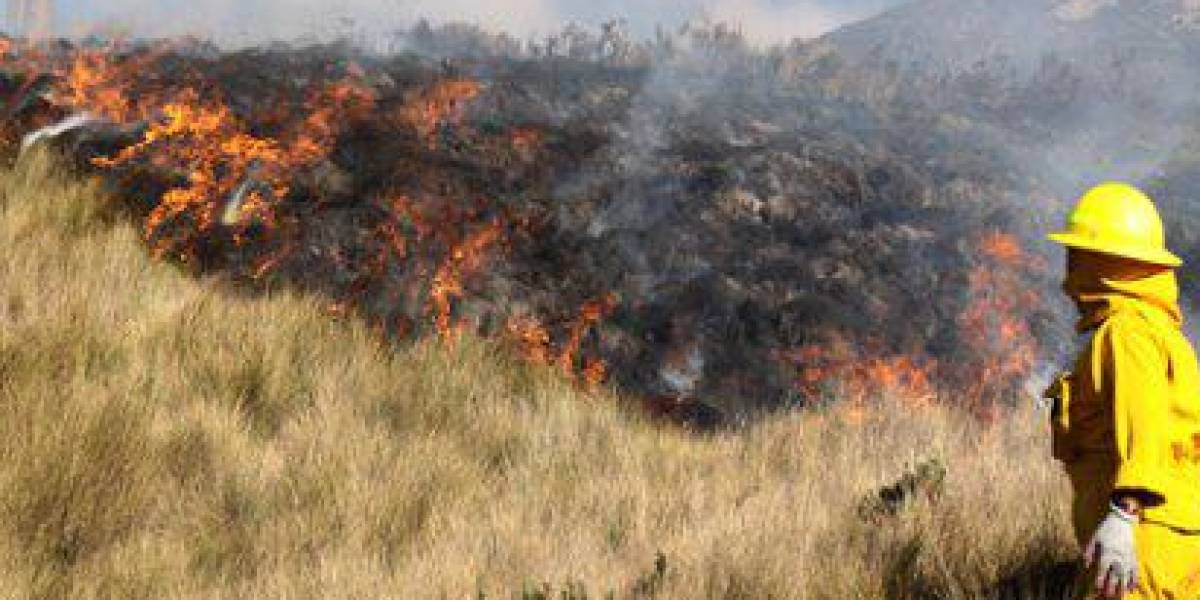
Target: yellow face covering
point(1101, 285)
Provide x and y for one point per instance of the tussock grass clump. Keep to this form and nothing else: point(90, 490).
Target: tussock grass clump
point(163, 437)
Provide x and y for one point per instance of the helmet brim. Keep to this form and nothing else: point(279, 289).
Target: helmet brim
point(1147, 255)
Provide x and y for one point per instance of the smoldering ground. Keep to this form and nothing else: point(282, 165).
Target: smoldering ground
point(749, 204)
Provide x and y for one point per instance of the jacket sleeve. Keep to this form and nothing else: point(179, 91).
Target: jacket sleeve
point(1133, 369)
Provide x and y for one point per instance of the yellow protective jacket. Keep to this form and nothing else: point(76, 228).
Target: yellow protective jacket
point(1128, 417)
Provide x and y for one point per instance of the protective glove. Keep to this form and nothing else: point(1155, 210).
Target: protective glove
point(1112, 548)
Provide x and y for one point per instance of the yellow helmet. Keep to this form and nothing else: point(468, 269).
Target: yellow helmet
point(1118, 219)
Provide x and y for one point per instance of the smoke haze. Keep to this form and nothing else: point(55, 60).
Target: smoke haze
point(964, 117)
point(250, 21)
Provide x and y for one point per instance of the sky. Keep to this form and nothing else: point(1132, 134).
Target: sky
point(765, 21)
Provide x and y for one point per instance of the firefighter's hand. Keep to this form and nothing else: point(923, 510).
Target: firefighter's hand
point(1112, 549)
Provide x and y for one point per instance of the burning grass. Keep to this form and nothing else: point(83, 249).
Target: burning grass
point(583, 211)
point(168, 436)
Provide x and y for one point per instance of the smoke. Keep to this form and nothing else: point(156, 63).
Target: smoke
point(256, 21)
point(827, 215)
point(764, 21)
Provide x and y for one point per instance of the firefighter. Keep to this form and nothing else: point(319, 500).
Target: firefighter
point(1126, 419)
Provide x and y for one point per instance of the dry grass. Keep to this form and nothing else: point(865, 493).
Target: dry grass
point(165, 437)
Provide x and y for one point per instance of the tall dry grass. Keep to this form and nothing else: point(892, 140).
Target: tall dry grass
point(163, 436)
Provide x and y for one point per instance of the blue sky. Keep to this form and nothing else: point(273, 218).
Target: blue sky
point(765, 20)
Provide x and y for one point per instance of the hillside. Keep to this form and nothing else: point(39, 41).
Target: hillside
point(1069, 92)
point(171, 436)
point(689, 218)
point(958, 35)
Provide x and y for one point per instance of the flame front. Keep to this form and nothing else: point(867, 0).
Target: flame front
point(589, 314)
point(533, 340)
point(994, 323)
point(211, 147)
point(464, 259)
point(844, 371)
point(233, 171)
point(1002, 355)
point(442, 104)
point(228, 171)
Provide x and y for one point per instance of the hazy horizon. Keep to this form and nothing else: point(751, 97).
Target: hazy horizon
point(240, 21)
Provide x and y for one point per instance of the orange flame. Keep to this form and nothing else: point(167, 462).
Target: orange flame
point(589, 314)
point(534, 341)
point(94, 82)
point(1002, 247)
point(994, 323)
point(527, 142)
point(97, 83)
point(443, 103)
point(1002, 353)
point(331, 109)
point(207, 142)
point(856, 375)
point(463, 260)
point(269, 262)
point(594, 372)
point(395, 243)
point(234, 173)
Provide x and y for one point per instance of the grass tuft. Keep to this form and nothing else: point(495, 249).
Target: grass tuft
point(163, 437)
